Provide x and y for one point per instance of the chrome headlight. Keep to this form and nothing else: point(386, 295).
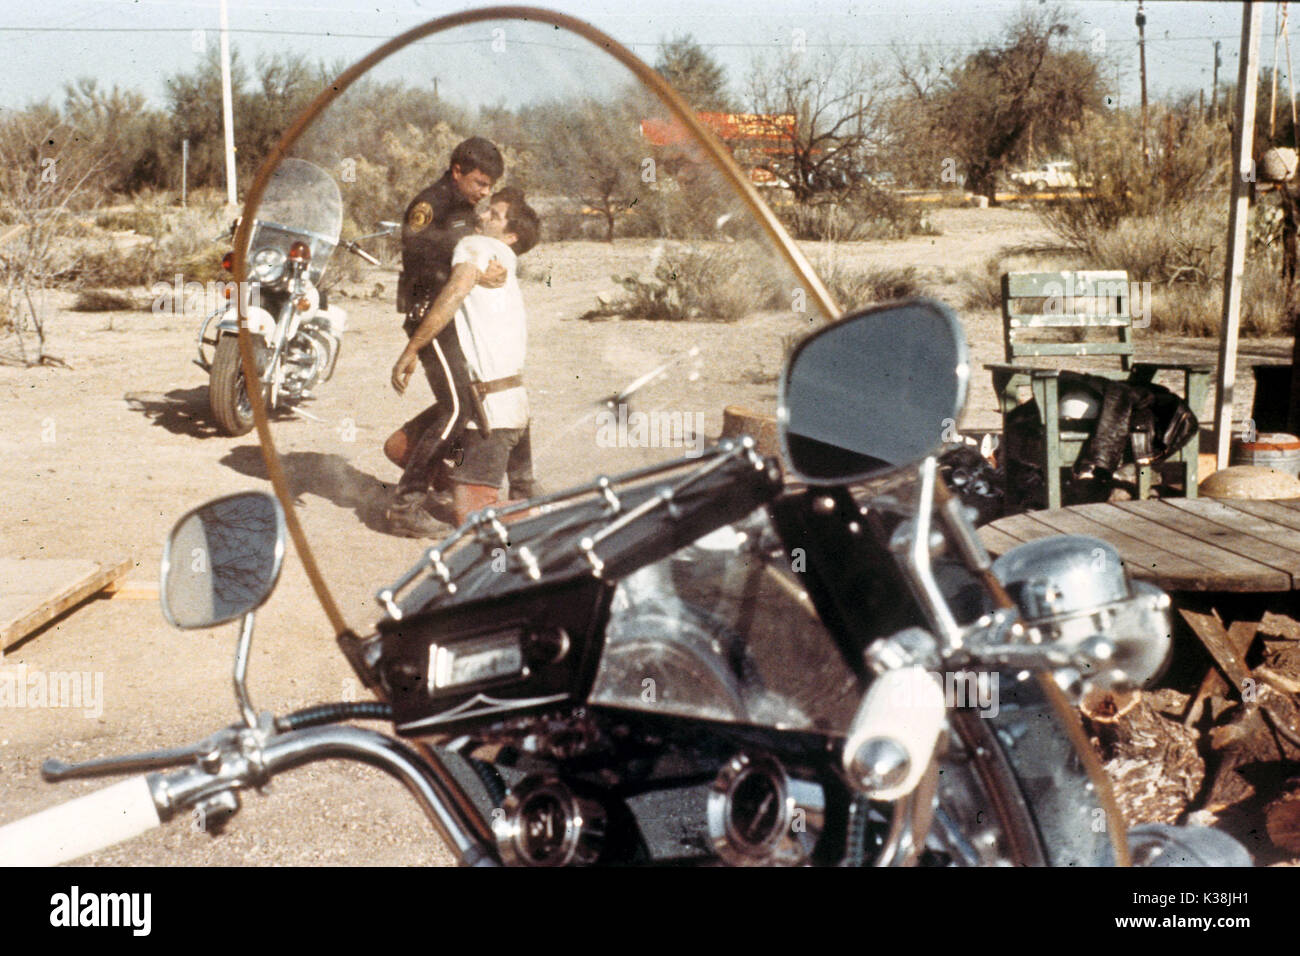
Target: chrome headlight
point(1073, 594)
point(266, 265)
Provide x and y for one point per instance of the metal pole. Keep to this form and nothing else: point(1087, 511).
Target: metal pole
point(1142, 56)
point(1214, 97)
point(1238, 216)
point(227, 107)
point(185, 169)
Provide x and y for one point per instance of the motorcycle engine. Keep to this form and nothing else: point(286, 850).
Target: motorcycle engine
point(1074, 594)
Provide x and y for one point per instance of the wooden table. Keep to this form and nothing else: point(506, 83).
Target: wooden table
point(1215, 555)
point(1180, 544)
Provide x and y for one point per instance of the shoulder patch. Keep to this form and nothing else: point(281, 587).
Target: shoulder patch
point(421, 215)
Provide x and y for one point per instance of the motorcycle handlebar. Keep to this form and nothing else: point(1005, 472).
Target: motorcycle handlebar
point(72, 829)
point(136, 805)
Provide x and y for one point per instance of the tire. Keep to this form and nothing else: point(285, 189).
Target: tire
point(227, 396)
point(1040, 185)
point(1029, 782)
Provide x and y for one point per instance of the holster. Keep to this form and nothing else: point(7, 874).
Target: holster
point(403, 293)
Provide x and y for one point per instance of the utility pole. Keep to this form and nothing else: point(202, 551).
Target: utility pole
point(1214, 96)
point(1142, 56)
point(1243, 137)
point(227, 107)
point(185, 169)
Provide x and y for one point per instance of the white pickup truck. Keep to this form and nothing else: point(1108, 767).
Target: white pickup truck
point(1059, 175)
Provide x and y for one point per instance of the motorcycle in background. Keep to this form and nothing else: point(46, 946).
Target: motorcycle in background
point(297, 333)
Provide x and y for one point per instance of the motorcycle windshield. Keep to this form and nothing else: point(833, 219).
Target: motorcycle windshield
point(660, 292)
point(301, 204)
point(301, 197)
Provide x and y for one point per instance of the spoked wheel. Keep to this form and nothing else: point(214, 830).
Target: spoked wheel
point(227, 394)
point(1011, 792)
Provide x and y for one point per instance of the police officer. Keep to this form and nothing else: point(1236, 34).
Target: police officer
point(439, 217)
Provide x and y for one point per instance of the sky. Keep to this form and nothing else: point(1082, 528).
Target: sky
point(137, 44)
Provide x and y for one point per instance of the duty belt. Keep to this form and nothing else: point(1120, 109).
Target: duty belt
point(497, 385)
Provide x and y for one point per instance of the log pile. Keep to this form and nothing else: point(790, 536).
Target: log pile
point(1225, 754)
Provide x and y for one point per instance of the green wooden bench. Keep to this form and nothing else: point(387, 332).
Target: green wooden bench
point(1033, 301)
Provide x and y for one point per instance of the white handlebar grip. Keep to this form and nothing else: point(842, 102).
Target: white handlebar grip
point(892, 737)
point(80, 826)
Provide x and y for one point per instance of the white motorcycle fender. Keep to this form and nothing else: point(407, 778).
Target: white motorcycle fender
point(260, 322)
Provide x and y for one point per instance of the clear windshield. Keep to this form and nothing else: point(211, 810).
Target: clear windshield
point(654, 300)
point(302, 197)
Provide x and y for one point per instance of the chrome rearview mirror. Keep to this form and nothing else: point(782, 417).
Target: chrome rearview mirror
point(873, 392)
point(222, 560)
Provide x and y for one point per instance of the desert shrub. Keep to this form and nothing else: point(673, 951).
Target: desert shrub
point(114, 267)
point(865, 213)
point(564, 224)
point(1189, 160)
point(856, 288)
point(695, 284)
point(983, 286)
point(1183, 243)
point(145, 222)
point(102, 300)
point(1196, 309)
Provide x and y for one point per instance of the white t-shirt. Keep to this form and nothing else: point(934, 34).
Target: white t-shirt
point(493, 330)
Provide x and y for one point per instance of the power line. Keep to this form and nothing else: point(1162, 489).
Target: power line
point(967, 44)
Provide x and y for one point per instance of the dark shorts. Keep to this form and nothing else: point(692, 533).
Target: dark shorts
point(485, 461)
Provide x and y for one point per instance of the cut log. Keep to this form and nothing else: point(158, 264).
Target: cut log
point(1151, 759)
point(737, 421)
point(1282, 818)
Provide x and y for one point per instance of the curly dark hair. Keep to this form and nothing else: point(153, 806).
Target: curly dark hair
point(521, 219)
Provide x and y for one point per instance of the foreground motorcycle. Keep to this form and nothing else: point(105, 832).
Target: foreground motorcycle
point(298, 332)
point(699, 658)
point(686, 663)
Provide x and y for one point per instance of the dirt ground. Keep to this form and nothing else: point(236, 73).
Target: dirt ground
point(99, 460)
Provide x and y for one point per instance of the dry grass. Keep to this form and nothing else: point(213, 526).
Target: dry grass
point(866, 214)
point(694, 284)
point(858, 288)
point(102, 300)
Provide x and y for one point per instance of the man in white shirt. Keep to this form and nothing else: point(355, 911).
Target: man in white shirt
point(491, 325)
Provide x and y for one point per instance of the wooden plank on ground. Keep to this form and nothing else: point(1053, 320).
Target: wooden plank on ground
point(1224, 570)
point(37, 590)
point(132, 590)
point(1241, 634)
point(1144, 559)
point(1229, 539)
point(1205, 624)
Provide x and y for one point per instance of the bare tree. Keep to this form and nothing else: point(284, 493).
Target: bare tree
point(47, 168)
point(593, 152)
point(824, 118)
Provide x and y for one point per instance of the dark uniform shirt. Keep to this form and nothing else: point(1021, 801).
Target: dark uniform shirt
point(435, 221)
point(437, 218)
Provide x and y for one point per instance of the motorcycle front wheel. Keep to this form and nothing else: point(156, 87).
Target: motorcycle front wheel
point(227, 395)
